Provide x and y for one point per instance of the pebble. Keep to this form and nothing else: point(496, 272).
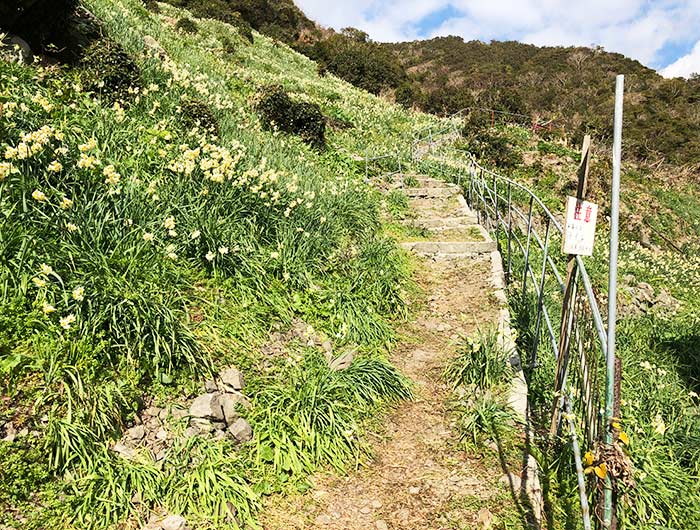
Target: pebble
point(323, 520)
point(414, 490)
point(381, 525)
point(365, 510)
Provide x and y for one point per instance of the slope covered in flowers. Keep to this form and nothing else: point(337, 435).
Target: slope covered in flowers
point(143, 246)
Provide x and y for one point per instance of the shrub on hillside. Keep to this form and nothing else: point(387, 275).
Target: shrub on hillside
point(187, 25)
point(108, 68)
point(152, 6)
point(353, 57)
point(196, 113)
point(304, 119)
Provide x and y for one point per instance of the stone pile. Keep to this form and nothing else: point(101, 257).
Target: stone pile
point(213, 414)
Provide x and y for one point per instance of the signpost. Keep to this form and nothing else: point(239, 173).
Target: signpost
point(579, 231)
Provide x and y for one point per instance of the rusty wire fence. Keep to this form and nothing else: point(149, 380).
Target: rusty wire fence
point(561, 332)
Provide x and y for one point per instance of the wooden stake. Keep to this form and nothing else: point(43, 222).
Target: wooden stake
point(567, 313)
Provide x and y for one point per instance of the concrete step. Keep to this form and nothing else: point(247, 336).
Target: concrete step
point(442, 223)
point(450, 247)
point(431, 193)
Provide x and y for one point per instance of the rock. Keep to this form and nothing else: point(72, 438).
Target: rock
point(153, 46)
point(163, 415)
point(484, 519)
point(342, 362)
point(327, 346)
point(219, 435)
point(323, 520)
point(365, 510)
point(241, 430)
point(173, 522)
point(162, 435)
point(10, 433)
point(232, 377)
point(228, 406)
point(376, 505)
point(381, 525)
point(136, 433)
point(23, 432)
point(201, 425)
point(178, 412)
point(218, 425)
point(190, 432)
point(210, 385)
point(153, 412)
point(123, 451)
point(207, 406)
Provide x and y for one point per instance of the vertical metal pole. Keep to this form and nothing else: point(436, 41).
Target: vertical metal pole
point(540, 296)
point(510, 234)
point(495, 209)
point(612, 287)
point(527, 246)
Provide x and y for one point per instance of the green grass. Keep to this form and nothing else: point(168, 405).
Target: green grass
point(142, 248)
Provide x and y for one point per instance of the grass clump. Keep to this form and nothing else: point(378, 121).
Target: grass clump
point(313, 418)
point(304, 119)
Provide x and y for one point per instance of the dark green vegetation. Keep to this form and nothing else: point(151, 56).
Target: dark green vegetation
point(277, 110)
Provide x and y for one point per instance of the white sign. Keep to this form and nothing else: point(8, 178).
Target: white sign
point(579, 231)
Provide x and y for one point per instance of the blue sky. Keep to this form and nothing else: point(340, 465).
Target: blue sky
point(662, 34)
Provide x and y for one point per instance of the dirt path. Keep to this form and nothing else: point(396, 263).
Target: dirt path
point(419, 478)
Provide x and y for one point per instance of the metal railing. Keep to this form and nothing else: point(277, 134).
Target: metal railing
point(564, 336)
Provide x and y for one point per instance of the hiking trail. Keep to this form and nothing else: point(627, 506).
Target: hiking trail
point(419, 477)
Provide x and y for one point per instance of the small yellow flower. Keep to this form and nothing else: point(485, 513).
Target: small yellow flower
point(47, 308)
point(39, 282)
point(67, 321)
point(79, 293)
point(195, 234)
point(88, 146)
point(210, 256)
point(588, 459)
point(5, 169)
point(55, 166)
point(148, 236)
point(223, 250)
point(71, 227)
point(65, 203)
point(46, 269)
point(38, 195)
point(274, 255)
point(169, 223)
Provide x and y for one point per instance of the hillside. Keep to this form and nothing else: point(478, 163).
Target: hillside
point(165, 248)
point(567, 85)
point(570, 86)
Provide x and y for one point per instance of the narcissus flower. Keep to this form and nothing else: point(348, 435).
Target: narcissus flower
point(65, 203)
point(55, 166)
point(38, 195)
point(79, 293)
point(67, 321)
point(47, 308)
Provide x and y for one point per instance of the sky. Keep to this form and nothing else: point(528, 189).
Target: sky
point(661, 34)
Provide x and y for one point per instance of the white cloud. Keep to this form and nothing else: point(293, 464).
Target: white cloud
point(641, 29)
point(686, 65)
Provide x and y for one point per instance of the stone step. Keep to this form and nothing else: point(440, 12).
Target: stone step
point(431, 193)
point(449, 247)
point(442, 223)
